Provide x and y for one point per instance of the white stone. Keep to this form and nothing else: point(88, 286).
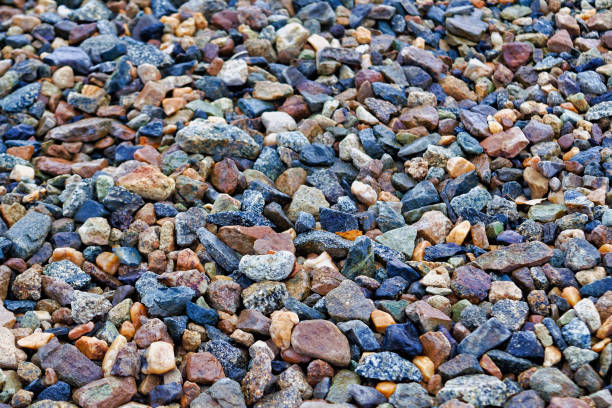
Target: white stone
point(276, 122)
point(234, 72)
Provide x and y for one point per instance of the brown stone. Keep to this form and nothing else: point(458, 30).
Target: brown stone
point(108, 392)
point(429, 317)
point(516, 54)
point(203, 368)
point(317, 370)
point(226, 177)
point(434, 226)
point(422, 115)
point(93, 348)
point(505, 144)
point(89, 168)
point(560, 42)
point(538, 184)
point(567, 402)
point(457, 88)
point(321, 339)
point(53, 166)
point(148, 182)
point(242, 239)
point(253, 321)
point(290, 180)
point(436, 346)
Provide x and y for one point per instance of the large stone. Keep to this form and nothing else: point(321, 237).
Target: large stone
point(515, 256)
point(323, 340)
point(220, 140)
point(108, 392)
point(29, 233)
point(148, 182)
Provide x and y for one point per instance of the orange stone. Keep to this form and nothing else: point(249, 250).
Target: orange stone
point(386, 388)
point(350, 235)
point(24, 152)
point(108, 262)
point(490, 367)
point(457, 166)
point(71, 254)
point(419, 250)
point(187, 260)
point(80, 330)
point(127, 330)
point(148, 154)
point(136, 311)
point(459, 233)
point(381, 320)
point(425, 365)
point(571, 294)
point(92, 347)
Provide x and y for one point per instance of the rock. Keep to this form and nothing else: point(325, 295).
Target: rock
point(479, 390)
point(388, 366)
point(106, 392)
point(148, 182)
point(273, 267)
point(29, 233)
point(515, 256)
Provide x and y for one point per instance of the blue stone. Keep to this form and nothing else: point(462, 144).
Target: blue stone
point(90, 209)
point(525, 344)
point(202, 315)
point(337, 221)
point(176, 326)
point(403, 338)
point(66, 240)
point(60, 391)
point(398, 268)
point(165, 210)
point(19, 132)
point(576, 333)
point(392, 288)
point(127, 255)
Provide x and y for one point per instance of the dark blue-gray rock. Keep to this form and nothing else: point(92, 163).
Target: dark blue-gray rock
point(119, 198)
point(467, 26)
point(525, 344)
point(303, 311)
point(597, 288)
point(486, 337)
point(320, 11)
point(411, 395)
point(551, 382)
point(581, 254)
point(419, 145)
point(511, 313)
point(365, 397)
point(140, 53)
point(388, 366)
point(317, 154)
point(221, 253)
point(360, 333)
point(242, 218)
point(576, 333)
point(508, 363)
point(21, 98)
point(468, 143)
point(421, 195)
point(68, 272)
point(187, 223)
point(74, 57)
point(167, 301)
point(219, 140)
point(201, 315)
point(402, 338)
point(233, 360)
point(29, 233)
point(323, 241)
point(337, 221)
point(461, 364)
point(360, 259)
point(392, 288)
point(480, 390)
point(387, 217)
point(476, 199)
point(526, 399)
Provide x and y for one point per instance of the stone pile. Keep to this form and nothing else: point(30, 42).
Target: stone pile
point(305, 204)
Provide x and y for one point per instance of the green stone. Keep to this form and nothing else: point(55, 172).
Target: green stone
point(546, 212)
point(400, 239)
point(395, 308)
point(338, 391)
point(413, 216)
point(458, 308)
point(494, 229)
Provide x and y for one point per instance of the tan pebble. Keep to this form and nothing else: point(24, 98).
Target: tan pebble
point(381, 320)
point(552, 356)
point(35, 340)
point(459, 233)
point(425, 365)
point(159, 358)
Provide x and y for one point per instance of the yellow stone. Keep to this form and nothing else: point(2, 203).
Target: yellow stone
point(35, 340)
point(381, 320)
point(552, 356)
point(111, 354)
point(425, 365)
point(457, 166)
point(571, 294)
point(159, 358)
point(458, 234)
point(362, 35)
point(599, 346)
